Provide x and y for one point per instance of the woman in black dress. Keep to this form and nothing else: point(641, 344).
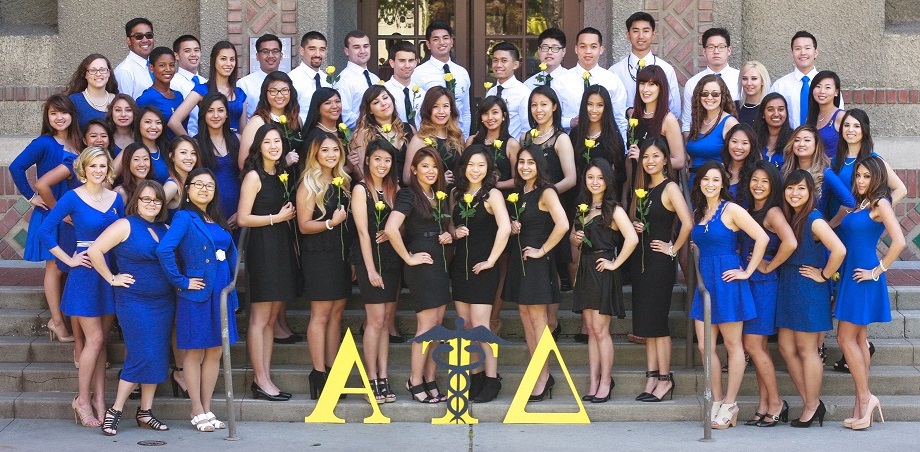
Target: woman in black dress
point(439, 129)
point(323, 195)
point(379, 121)
point(421, 210)
point(653, 270)
point(481, 227)
point(266, 209)
point(540, 222)
point(277, 104)
point(606, 238)
point(377, 266)
point(597, 128)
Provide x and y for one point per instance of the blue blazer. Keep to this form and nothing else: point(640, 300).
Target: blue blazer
point(187, 251)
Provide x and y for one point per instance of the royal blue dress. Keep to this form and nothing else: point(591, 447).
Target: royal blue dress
point(147, 309)
point(804, 304)
point(706, 147)
point(227, 177)
point(86, 294)
point(776, 159)
point(159, 166)
point(830, 136)
point(846, 177)
point(834, 193)
point(764, 288)
point(85, 111)
point(154, 98)
point(234, 107)
point(731, 301)
point(861, 303)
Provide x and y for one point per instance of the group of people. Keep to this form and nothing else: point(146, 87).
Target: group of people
point(147, 171)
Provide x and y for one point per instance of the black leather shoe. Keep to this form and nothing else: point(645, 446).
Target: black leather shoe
point(258, 393)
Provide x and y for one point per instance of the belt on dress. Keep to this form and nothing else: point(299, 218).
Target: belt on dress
point(429, 234)
point(601, 251)
point(84, 243)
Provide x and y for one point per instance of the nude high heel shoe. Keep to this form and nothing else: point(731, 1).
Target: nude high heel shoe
point(866, 421)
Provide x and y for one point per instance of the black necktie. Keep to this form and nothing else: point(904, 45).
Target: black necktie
point(547, 79)
point(446, 71)
point(367, 76)
point(407, 101)
point(498, 90)
point(316, 79)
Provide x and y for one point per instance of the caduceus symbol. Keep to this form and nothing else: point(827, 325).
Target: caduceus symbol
point(458, 346)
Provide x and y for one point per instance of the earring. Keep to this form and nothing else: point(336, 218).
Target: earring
point(83, 180)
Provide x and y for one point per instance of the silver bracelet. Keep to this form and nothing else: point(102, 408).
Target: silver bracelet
point(874, 276)
point(671, 251)
point(882, 265)
point(327, 225)
point(271, 221)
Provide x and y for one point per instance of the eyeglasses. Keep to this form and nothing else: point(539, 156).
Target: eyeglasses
point(155, 201)
point(713, 94)
point(552, 49)
point(273, 52)
point(98, 71)
point(275, 92)
point(713, 48)
point(141, 36)
point(204, 186)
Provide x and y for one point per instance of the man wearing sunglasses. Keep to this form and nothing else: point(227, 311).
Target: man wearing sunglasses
point(269, 54)
point(132, 74)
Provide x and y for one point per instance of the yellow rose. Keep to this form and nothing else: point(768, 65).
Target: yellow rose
point(641, 64)
point(380, 82)
point(498, 144)
point(337, 181)
point(330, 70)
point(640, 193)
point(342, 127)
point(468, 198)
point(589, 143)
point(586, 75)
point(283, 177)
point(512, 197)
point(633, 122)
point(415, 88)
point(448, 77)
point(387, 128)
point(429, 141)
point(282, 119)
point(583, 208)
point(488, 85)
point(440, 195)
point(380, 205)
point(534, 133)
point(543, 66)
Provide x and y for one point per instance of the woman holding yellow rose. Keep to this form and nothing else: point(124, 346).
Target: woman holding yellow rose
point(323, 195)
point(493, 133)
point(649, 121)
point(277, 104)
point(439, 129)
point(265, 208)
point(480, 227)
point(379, 121)
point(597, 136)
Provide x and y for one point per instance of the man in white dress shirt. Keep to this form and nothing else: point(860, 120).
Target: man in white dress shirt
point(308, 77)
point(796, 85)
point(717, 47)
point(188, 56)
point(551, 51)
point(355, 79)
point(640, 31)
point(407, 96)
point(439, 37)
point(589, 48)
point(268, 54)
point(505, 60)
point(132, 74)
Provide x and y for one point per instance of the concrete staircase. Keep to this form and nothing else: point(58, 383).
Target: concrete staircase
point(38, 379)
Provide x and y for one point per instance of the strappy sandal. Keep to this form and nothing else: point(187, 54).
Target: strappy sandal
point(376, 387)
point(152, 422)
point(384, 385)
point(80, 416)
point(202, 424)
point(214, 421)
point(419, 389)
point(110, 424)
point(430, 387)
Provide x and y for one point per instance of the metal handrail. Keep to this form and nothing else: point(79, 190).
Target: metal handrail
point(225, 338)
point(707, 344)
point(689, 280)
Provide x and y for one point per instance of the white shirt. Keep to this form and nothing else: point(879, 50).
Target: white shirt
point(304, 80)
point(183, 83)
point(351, 86)
point(533, 82)
point(517, 96)
point(790, 86)
point(572, 88)
point(431, 73)
point(397, 90)
point(252, 86)
point(627, 68)
point(730, 76)
point(133, 76)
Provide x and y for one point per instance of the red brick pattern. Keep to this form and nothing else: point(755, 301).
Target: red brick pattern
point(881, 96)
point(680, 23)
point(28, 93)
point(248, 18)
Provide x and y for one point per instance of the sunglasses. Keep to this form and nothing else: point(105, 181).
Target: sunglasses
point(141, 36)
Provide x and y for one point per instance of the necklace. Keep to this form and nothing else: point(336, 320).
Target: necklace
point(220, 147)
point(864, 204)
point(156, 151)
point(649, 113)
point(709, 123)
point(714, 216)
point(534, 187)
point(96, 198)
point(845, 163)
point(546, 134)
point(92, 102)
point(430, 198)
point(595, 136)
point(324, 128)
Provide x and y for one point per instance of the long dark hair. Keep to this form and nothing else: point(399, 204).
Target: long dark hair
point(212, 211)
point(610, 145)
point(212, 69)
point(774, 198)
point(551, 94)
point(798, 219)
point(644, 179)
point(390, 181)
point(812, 103)
point(656, 75)
point(760, 124)
point(78, 79)
point(172, 159)
point(697, 198)
point(463, 184)
point(421, 205)
point(484, 106)
point(131, 104)
point(62, 104)
point(291, 110)
point(611, 193)
point(754, 155)
point(320, 96)
point(208, 149)
point(128, 182)
point(866, 147)
point(254, 159)
point(878, 184)
point(542, 180)
point(161, 141)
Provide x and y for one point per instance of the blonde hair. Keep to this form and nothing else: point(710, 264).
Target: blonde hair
point(87, 156)
point(764, 77)
point(312, 172)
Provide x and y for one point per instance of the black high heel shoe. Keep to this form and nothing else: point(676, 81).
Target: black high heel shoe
point(757, 419)
point(177, 389)
point(548, 389)
point(317, 380)
point(841, 364)
point(774, 419)
point(670, 393)
point(418, 390)
point(259, 393)
point(606, 398)
point(431, 387)
point(644, 395)
point(490, 389)
point(819, 415)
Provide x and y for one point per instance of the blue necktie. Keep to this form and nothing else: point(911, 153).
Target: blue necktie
point(316, 79)
point(803, 101)
point(367, 76)
point(196, 80)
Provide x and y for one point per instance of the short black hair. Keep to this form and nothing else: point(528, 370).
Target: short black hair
point(265, 38)
point(716, 31)
point(184, 38)
point(508, 47)
point(591, 31)
point(401, 46)
point(438, 25)
point(310, 36)
point(803, 34)
point(157, 52)
point(640, 16)
point(135, 22)
point(358, 34)
point(552, 33)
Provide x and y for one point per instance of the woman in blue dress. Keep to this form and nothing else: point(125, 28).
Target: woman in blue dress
point(163, 67)
point(135, 164)
point(717, 225)
point(713, 115)
point(92, 88)
point(149, 131)
point(805, 150)
point(803, 307)
point(221, 79)
point(856, 144)
point(862, 297)
point(824, 109)
point(87, 297)
point(772, 128)
point(739, 153)
point(199, 258)
point(120, 117)
point(761, 193)
point(183, 158)
point(60, 138)
point(219, 150)
point(145, 302)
